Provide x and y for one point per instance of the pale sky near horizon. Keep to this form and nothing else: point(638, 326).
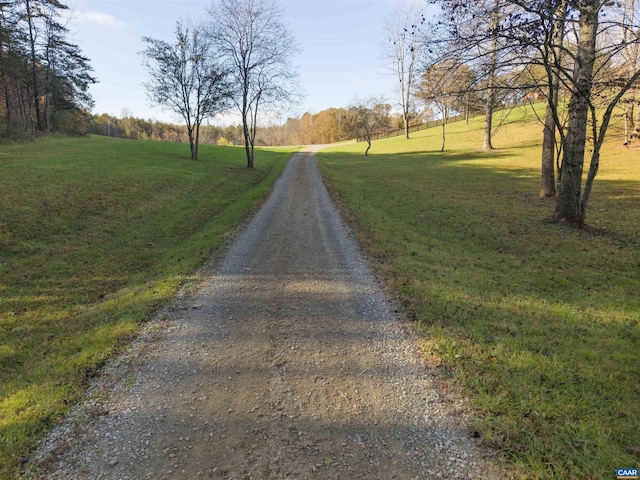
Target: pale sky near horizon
point(341, 43)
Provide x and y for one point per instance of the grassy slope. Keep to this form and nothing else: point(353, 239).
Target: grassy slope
point(95, 235)
point(538, 322)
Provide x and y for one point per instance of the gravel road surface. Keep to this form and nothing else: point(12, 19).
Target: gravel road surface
point(285, 361)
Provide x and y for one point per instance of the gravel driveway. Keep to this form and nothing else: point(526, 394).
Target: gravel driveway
point(283, 362)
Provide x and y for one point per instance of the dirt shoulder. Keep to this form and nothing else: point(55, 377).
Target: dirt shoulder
point(284, 362)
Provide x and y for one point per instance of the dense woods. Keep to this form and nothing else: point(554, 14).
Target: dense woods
point(44, 78)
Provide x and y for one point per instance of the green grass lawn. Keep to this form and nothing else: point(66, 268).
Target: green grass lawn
point(538, 323)
point(95, 235)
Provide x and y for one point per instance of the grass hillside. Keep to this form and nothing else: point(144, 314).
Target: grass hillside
point(95, 235)
point(538, 323)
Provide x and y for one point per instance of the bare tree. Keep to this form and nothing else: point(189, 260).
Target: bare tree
point(629, 15)
point(601, 77)
point(492, 72)
point(568, 206)
point(541, 35)
point(552, 49)
point(368, 116)
point(404, 51)
point(466, 97)
point(187, 78)
point(597, 77)
point(508, 41)
point(581, 44)
point(257, 48)
point(443, 86)
point(472, 33)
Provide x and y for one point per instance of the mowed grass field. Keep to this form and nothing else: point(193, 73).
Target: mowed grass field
point(96, 234)
point(536, 322)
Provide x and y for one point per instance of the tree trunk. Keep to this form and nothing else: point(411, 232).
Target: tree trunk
point(5, 86)
point(591, 176)
point(192, 144)
point(247, 145)
point(24, 105)
point(7, 102)
point(6, 92)
point(635, 115)
point(548, 180)
point(488, 121)
point(47, 98)
point(197, 140)
point(245, 120)
point(253, 127)
point(34, 67)
point(405, 119)
point(626, 126)
point(445, 114)
point(491, 93)
point(569, 206)
point(366, 152)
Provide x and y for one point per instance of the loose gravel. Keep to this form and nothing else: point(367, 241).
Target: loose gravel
point(285, 361)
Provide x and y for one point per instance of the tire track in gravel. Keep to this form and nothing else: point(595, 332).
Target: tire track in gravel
point(284, 363)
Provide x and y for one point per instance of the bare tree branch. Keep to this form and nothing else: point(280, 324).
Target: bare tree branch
point(187, 78)
point(257, 48)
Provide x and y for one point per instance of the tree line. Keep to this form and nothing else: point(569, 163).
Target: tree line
point(130, 127)
point(582, 57)
point(44, 78)
point(328, 126)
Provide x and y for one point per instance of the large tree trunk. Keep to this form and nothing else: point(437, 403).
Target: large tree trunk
point(569, 207)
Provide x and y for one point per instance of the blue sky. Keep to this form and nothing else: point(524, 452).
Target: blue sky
point(341, 43)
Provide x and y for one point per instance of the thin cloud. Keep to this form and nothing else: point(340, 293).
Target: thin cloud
point(100, 18)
